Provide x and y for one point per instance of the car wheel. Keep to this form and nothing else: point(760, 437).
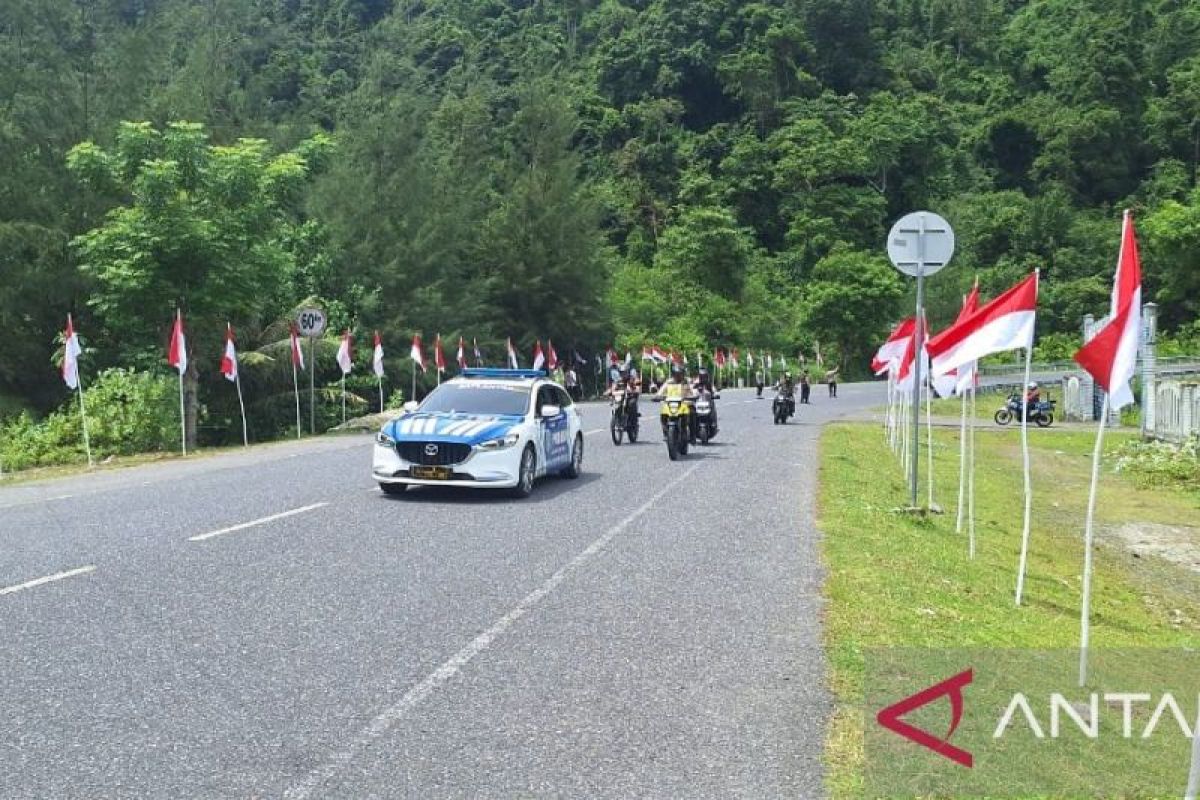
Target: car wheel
point(393, 489)
point(576, 468)
point(526, 473)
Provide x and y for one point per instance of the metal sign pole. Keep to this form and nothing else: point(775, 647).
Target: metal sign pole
point(918, 349)
point(312, 385)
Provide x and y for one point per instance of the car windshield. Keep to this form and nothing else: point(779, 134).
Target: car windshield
point(471, 398)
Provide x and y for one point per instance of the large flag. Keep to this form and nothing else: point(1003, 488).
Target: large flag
point(439, 358)
point(177, 349)
point(889, 355)
point(377, 358)
point(297, 351)
point(416, 353)
point(71, 353)
point(512, 355)
point(345, 353)
point(551, 356)
point(461, 355)
point(229, 363)
point(539, 359)
point(1110, 355)
point(1006, 323)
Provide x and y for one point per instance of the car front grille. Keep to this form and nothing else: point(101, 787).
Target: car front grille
point(447, 453)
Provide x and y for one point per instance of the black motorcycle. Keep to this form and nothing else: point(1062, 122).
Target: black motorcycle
point(624, 418)
point(783, 407)
point(704, 416)
point(1041, 413)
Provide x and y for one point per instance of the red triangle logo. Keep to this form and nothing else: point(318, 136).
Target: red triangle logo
point(890, 717)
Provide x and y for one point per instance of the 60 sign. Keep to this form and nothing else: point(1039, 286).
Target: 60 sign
point(310, 322)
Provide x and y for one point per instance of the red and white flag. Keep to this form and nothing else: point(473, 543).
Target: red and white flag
point(416, 354)
point(551, 356)
point(733, 358)
point(888, 356)
point(439, 358)
point(462, 353)
point(377, 357)
point(968, 375)
point(478, 355)
point(512, 355)
point(229, 364)
point(906, 366)
point(297, 351)
point(1110, 356)
point(177, 349)
point(1006, 323)
point(345, 353)
point(71, 353)
point(539, 360)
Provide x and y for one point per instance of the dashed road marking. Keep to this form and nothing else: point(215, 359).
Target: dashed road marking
point(201, 537)
point(58, 576)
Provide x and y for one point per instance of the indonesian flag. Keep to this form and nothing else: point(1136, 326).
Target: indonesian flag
point(1111, 354)
point(297, 351)
point(968, 375)
point(734, 358)
point(539, 360)
point(439, 358)
point(906, 369)
point(647, 353)
point(345, 354)
point(719, 357)
point(478, 355)
point(1004, 324)
point(229, 365)
point(942, 384)
point(551, 356)
point(416, 354)
point(71, 352)
point(377, 358)
point(512, 355)
point(889, 355)
point(177, 349)
point(461, 355)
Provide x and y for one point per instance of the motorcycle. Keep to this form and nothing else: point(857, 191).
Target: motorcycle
point(783, 407)
point(704, 423)
point(675, 416)
point(1041, 413)
point(624, 418)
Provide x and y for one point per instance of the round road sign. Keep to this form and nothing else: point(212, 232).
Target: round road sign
point(310, 321)
point(920, 242)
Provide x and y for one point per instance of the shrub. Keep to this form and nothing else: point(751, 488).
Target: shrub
point(1155, 463)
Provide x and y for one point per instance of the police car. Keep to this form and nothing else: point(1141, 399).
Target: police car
point(487, 428)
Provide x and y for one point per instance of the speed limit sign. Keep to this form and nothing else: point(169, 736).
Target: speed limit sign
point(310, 322)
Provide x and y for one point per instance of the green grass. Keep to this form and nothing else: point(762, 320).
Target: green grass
point(898, 580)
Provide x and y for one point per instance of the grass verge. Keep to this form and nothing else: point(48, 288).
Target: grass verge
point(897, 580)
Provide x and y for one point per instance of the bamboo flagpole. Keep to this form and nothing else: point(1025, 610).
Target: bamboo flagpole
point(229, 368)
point(345, 360)
point(1028, 479)
point(1193, 785)
point(177, 357)
point(70, 373)
point(377, 366)
point(962, 464)
point(971, 481)
point(1085, 611)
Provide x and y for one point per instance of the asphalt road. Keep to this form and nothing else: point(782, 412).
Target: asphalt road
point(651, 629)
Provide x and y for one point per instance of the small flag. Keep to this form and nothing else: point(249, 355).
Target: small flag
point(478, 355)
point(416, 353)
point(297, 352)
point(551, 356)
point(377, 360)
point(177, 350)
point(345, 353)
point(462, 355)
point(229, 364)
point(891, 353)
point(539, 360)
point(71, 352)
point(439, 358)
point(512, 355)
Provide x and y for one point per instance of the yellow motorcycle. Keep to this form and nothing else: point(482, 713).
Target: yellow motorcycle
point(676, 416)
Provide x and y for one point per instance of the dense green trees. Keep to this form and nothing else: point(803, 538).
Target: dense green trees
point(691, 172)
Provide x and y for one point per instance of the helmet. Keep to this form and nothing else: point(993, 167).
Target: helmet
point(703, 371)
point(676, 369)
point(787, 373)
point(1033, 385)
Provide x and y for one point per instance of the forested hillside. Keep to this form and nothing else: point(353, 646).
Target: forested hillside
point(688, 172)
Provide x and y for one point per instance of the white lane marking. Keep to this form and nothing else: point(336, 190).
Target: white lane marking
point(58, 576)
point(386, 719)
point(201, 537)
point(598, 430)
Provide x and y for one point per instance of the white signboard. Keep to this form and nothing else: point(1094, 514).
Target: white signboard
point(310, 322)
point(920, 242)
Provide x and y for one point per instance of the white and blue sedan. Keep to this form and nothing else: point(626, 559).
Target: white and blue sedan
point(487, 428)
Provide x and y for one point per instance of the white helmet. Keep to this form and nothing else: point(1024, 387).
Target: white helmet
point(1033, 385)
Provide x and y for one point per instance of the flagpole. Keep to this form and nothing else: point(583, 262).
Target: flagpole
point(296, 389)
point(1085, 611)
point(312, 384)
point(971, 476)
point(929, 435)
point(343, 398)
point(1028, 480)
point(87, 445)
point(414, 382)
point(380, 393)
point(1193, 787)
point(237, 381)
point(182, 417)
point(962, 464)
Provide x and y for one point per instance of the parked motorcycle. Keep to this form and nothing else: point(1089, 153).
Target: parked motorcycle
point(1041, 413)
point(704, 423)
point(783, 407)
point(624, 417)
point(675, 415)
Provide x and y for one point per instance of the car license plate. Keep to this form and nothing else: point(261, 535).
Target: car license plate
point(431, 473)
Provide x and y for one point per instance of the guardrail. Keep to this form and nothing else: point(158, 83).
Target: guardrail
point(1173, 365)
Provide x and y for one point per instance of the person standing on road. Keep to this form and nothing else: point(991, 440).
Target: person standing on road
point(831, 378)
point(805, 387)
point(758, 383)
point(571, 381)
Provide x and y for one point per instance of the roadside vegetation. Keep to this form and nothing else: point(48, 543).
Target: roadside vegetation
point(900, 580)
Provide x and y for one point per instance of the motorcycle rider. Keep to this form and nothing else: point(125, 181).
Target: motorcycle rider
point(704, 385)
point(787, 388)
point(1033, 394)
point(626, 380)
point(675, 386)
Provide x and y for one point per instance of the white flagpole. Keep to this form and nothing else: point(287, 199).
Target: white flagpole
point(237, 381)
point(1085, 611)
point(929, 434)
point(380, 393)
point(962, 464)
point(1028, 479)
point(414, 382)
point(296, 388)
point(1193, 787)
point(182, 417)
point(343, 398)
point(971, 481)
point(87, 445)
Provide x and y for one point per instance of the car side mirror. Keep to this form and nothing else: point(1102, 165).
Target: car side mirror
point(549, 411)
point(410, 406)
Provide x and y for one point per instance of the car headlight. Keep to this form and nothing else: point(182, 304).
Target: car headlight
point(383, 440)
point(500, 443)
